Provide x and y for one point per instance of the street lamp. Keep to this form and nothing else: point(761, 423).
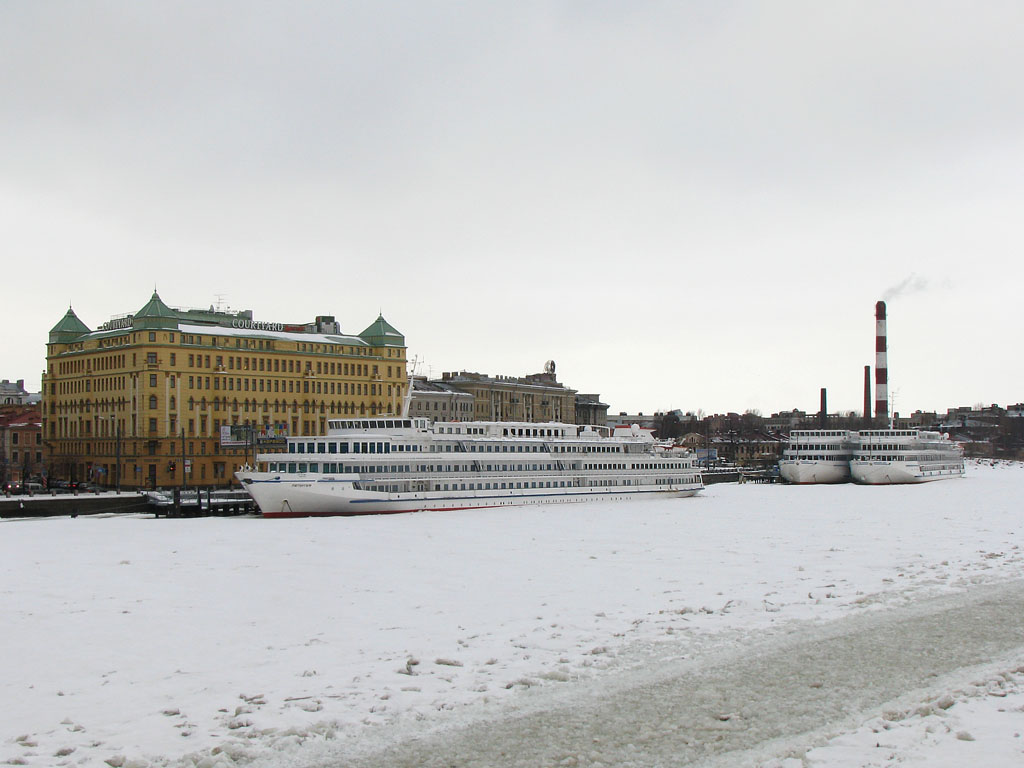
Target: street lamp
point(117, 453)
point(184, 482)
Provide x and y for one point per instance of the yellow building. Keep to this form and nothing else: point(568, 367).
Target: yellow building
point(171, 397)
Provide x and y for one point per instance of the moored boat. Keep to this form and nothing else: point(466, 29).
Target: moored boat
point(817, 456)
point(890, 456)
point(386, 465)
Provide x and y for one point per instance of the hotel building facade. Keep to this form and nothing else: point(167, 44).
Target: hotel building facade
point(173, 397)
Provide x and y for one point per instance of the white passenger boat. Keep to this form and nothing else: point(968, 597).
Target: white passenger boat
point(384, 465)
point(886, 456)
point(817, 456)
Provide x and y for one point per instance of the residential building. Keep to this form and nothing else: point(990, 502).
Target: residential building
point(21, 448)
point(14, 393)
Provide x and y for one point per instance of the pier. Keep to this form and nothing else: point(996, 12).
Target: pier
point(178, 503)
point(159, 503)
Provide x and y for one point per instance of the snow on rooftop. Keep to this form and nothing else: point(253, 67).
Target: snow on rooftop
point(322, 338)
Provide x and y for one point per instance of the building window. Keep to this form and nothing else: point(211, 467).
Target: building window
point(151, 358)
point(152, 402)
point(152, 379)
point(152, 335)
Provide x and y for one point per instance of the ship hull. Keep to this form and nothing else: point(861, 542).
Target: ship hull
point(896, 473)
point(800, 472)
point(279, 497)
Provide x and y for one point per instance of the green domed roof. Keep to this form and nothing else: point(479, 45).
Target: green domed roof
point(68, 329)
point(155, 314)
point(382, 334)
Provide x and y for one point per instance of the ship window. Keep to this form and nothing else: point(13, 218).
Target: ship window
point(291, 466)
point(302, 467)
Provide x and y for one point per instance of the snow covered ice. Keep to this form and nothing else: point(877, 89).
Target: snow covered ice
point(131, 641)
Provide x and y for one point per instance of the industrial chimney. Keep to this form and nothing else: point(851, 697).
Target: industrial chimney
point(823, 412)
point(881, 366)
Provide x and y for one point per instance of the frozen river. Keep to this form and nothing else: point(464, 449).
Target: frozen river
point(751, 700)
point(756, 623)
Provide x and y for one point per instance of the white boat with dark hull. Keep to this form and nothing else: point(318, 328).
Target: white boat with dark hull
point(888, 456)
point(387, 465)
point(817, 456)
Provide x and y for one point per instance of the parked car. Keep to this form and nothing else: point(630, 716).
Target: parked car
point(12, 486)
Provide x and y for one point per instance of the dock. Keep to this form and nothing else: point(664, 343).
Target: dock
point(178, 503)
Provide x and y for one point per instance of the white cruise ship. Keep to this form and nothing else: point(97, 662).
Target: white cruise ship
point(384, 465)
point(818, 456)
point(886, 456)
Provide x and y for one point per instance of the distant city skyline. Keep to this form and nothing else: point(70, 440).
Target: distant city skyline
point(685, 205)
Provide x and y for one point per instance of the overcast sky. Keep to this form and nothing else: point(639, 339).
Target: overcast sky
point(686, 205)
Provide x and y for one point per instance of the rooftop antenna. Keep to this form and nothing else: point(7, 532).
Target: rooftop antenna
point(220, 301)
point(892, 407)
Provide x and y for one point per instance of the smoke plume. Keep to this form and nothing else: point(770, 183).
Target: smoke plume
point(912, 284)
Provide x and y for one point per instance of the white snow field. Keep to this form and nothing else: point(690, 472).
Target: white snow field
point(761, 625)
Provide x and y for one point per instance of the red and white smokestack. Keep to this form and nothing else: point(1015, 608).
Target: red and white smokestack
point(881, 365)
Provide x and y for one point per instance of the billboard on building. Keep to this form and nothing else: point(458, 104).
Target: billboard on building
point(243, 435)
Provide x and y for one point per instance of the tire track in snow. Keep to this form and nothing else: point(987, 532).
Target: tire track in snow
point(747, 701)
